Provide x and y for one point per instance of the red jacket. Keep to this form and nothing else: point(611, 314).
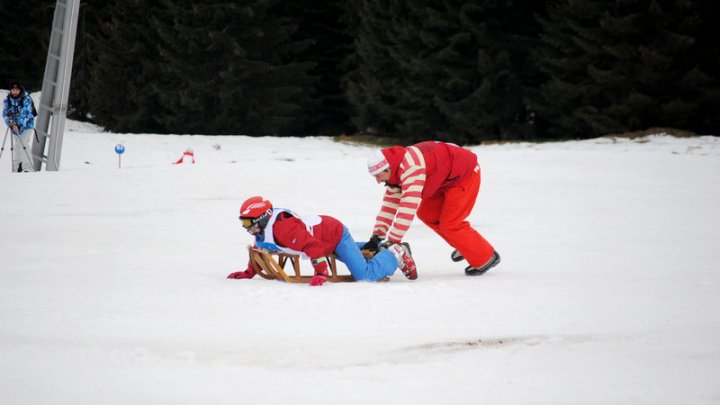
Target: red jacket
point(291, 232)
point(418, 172)
point(446, 165)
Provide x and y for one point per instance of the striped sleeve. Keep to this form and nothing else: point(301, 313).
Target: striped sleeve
point(412, 181)
point(389, 207)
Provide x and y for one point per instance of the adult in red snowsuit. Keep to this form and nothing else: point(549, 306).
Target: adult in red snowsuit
point(439, 182)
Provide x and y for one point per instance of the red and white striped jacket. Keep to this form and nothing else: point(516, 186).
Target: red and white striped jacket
point(417, 172)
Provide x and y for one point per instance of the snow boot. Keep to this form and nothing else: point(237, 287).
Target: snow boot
point(477, 271)
point(456, 256)
point(404, 259)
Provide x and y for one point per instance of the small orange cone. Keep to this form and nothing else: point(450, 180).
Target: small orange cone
point(188, 152)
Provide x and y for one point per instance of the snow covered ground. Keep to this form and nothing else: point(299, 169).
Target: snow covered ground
point(113, 288)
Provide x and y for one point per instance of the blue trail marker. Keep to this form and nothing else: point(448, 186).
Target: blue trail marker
point(119, 149)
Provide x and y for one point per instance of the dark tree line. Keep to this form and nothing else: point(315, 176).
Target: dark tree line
point(626, 65)
point(453, 70)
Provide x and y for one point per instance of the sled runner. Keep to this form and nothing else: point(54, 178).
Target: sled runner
point(271, 266)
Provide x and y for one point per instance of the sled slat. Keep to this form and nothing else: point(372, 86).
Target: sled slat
point(271, 266)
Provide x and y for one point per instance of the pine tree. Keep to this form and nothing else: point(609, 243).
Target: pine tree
point(453, 70)
point(124, 68)
point(24, 42)
point(706, 55)
point(620, 66)
point(373, 84)
point(489, 79)
point(427, 40)
point(225, 69)
point(89, 23)
point(326, 43)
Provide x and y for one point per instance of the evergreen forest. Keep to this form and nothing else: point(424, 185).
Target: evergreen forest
point(463, 71)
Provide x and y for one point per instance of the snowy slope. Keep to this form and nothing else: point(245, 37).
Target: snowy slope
point(113, 289)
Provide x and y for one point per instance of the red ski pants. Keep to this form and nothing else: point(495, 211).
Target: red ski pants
point(446, 214)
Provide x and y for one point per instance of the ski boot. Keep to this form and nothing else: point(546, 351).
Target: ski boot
point(404, 259)
point(456, 256)
point(477, 271)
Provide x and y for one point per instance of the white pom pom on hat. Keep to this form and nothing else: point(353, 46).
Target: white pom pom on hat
point(377, 163)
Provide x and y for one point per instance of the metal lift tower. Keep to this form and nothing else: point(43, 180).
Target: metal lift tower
point(56, 86)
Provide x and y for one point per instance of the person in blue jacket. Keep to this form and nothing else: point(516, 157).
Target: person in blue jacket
point(18, 112)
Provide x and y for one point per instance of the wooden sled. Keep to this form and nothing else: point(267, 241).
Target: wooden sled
point(271, 266)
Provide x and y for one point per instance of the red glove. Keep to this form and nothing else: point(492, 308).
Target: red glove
point(321, 271)
point(249, 273)
point(321, 267)
point(317, 281)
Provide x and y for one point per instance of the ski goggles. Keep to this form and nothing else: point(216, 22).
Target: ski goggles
point(247, 222)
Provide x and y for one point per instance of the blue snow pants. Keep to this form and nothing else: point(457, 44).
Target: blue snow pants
point(348, 251)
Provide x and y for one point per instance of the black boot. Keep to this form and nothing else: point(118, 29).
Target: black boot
point(456, 256)
point(477, 271)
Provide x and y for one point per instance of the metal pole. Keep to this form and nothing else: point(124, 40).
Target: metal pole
point(56, 85)
point(61, 98)
point(3, 148)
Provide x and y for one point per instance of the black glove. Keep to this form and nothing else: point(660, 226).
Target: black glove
point(373, 244)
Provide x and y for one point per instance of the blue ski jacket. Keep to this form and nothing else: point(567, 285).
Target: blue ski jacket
point(19, 111)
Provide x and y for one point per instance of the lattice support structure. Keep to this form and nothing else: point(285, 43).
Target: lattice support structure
point(50, 124)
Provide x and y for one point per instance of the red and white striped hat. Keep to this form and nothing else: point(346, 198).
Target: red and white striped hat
point(377, 163)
